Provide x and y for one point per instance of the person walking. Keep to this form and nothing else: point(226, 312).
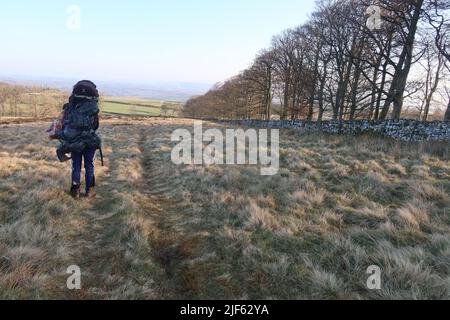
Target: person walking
point(78, 136)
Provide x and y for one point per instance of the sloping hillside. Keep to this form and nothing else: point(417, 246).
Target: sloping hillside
point(157, 230)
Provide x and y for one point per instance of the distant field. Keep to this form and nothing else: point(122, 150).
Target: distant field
point(47, 106)
point(139, 107)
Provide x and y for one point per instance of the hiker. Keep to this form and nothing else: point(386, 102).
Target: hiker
point(78, 136)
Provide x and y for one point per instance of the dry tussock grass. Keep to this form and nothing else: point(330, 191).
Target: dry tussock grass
point(337, 206)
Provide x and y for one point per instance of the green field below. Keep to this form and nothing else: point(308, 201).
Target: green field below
point(139, 107)
point(108, 105)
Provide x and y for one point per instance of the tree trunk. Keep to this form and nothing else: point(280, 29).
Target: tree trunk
point(269, 95)
point(399, 89)
point(447, 113)
point(343, 89)
point(385, 110)
point(398, 85)
point(432, 90)
point(337, 102)
point(357, 76)
point(313, 90)
point(295, 112)
point(426, 109)
point(373, 99)
point(337, 99)
point(286, 100)
point(321, 108)
point(321, 93)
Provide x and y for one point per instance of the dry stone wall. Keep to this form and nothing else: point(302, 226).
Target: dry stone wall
point(404, 130)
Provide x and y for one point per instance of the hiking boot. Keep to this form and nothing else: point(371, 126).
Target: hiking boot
point(75, 191)
point(62, 156)
point(90, 193)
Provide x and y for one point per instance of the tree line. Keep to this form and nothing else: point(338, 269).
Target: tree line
point(353, 59)
point(30, 101)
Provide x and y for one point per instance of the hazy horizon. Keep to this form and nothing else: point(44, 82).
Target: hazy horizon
point(152, 90)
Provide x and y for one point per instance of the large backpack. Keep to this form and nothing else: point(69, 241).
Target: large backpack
point(79, 120)
point(78, 127)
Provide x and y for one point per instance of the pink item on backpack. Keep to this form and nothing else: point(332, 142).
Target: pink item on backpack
point(54, 127)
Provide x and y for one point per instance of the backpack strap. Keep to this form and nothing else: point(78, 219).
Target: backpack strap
point(95, 99)
point(101, 156)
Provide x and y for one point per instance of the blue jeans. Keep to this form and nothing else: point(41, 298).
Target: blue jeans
point(88, 155)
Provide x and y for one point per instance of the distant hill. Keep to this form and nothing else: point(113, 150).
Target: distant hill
point(173, 91)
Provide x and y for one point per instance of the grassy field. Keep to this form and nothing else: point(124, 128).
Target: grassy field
point(157, 230)
point(139, 107)
point(49, 105)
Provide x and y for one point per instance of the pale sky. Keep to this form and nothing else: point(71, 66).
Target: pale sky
point(202, 41)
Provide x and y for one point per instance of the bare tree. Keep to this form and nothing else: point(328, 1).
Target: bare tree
point(335, 66)
point(433, 65)
point(3, 99)
point(438, 17)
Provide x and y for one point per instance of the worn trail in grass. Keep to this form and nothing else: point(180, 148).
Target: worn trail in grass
point(107, 243)
point(171, 245)
point(114, 261)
